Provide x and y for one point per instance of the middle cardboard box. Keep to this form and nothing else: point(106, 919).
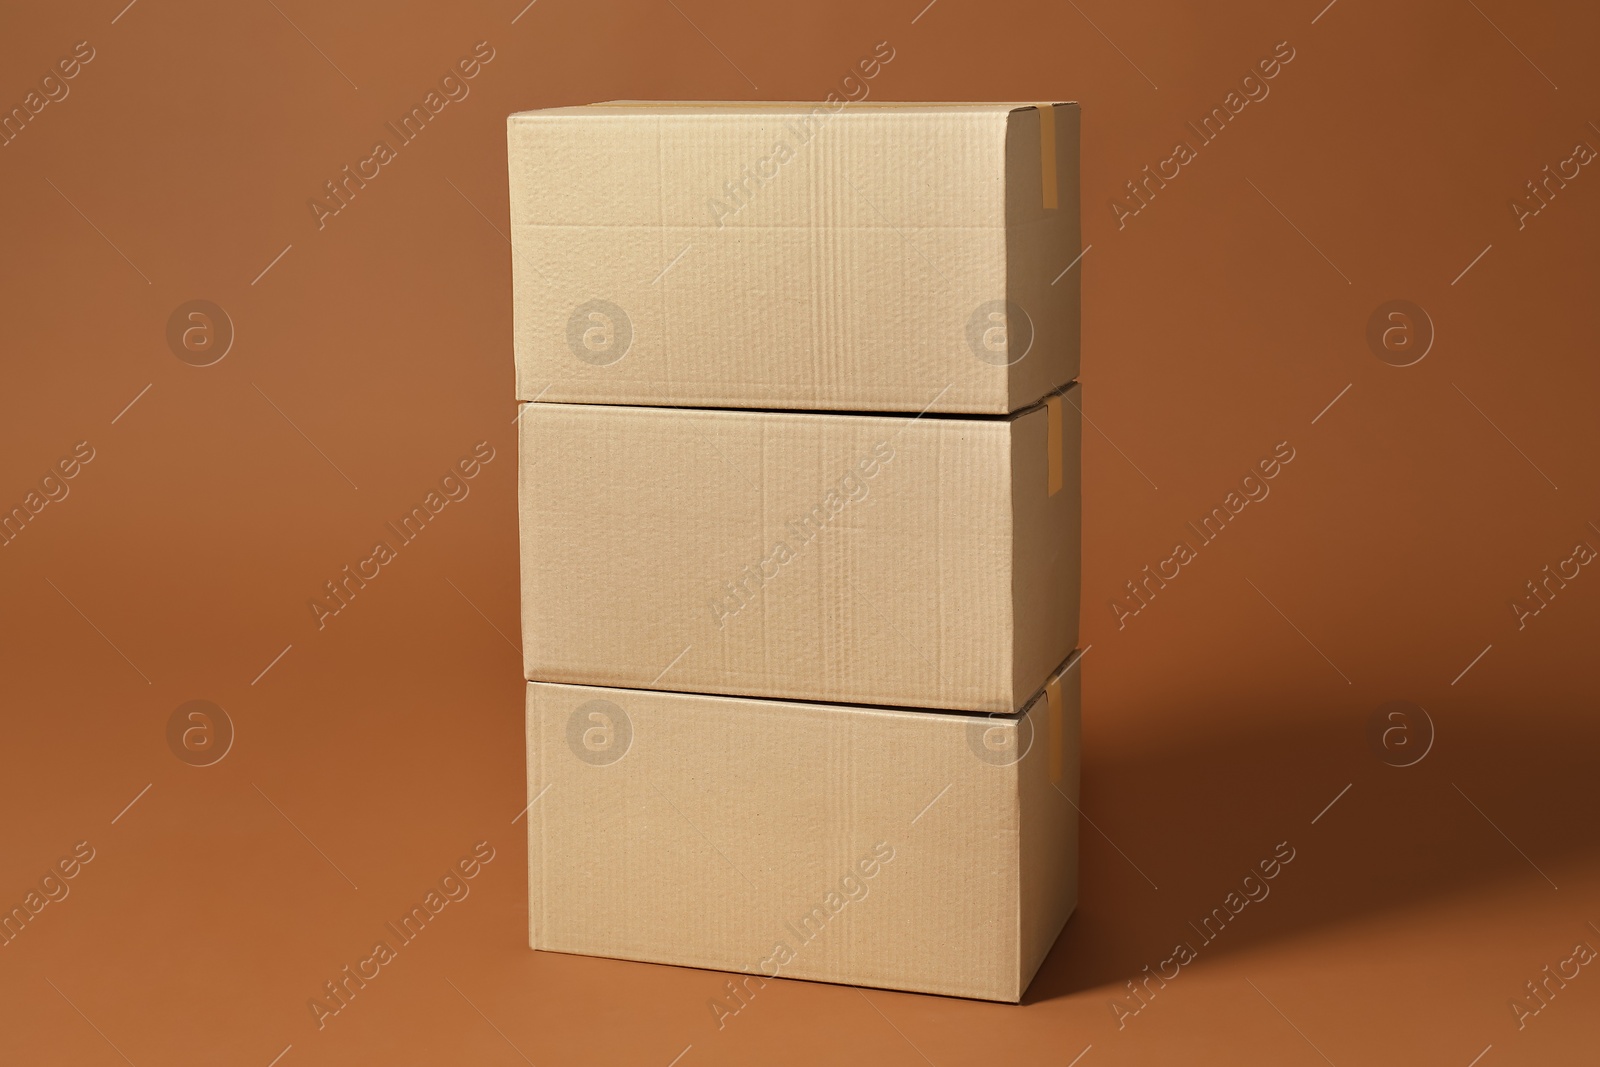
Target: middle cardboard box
point(912, 561)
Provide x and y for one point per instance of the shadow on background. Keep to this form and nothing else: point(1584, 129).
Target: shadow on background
point(1196, 813)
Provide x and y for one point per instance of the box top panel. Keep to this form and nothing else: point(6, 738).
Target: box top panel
point(763, 107)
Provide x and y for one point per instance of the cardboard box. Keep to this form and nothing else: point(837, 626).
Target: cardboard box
point(925, 562)
point(864, 257)
point(872, 846)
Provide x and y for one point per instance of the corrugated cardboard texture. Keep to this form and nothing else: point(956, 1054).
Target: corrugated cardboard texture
point(918, 562)
point(876, 257)
point(870, 846)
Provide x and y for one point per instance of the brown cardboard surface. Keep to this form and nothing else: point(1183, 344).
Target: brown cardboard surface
point(865, 257)
point(871, 846)
point(919, 562)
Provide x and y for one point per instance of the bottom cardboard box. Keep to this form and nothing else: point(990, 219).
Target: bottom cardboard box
point(926, 851)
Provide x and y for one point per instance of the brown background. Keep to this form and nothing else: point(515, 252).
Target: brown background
point(377, 350)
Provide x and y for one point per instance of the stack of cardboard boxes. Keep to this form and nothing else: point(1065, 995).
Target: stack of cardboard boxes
point(800, 536)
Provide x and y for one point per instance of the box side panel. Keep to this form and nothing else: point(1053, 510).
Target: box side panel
point(1043, 238)
point(713, 258)
point(872, 847)
point(528, 517)
point(1046, 508)
point(535, 828)
point(839, 558)
point(1048, 779)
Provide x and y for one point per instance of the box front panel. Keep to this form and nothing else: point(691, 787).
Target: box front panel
point(820, 557)
point(718, 258)
point(866, 846)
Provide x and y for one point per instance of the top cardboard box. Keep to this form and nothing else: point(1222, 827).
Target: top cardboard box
point(865, 257)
